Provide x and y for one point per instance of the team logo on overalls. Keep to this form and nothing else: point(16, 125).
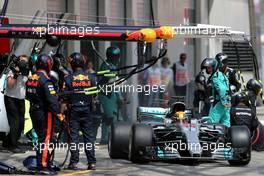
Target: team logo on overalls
point(33, 81)
point(80, 77)
point(34, 77)
point(81, 81)
point(51, 89)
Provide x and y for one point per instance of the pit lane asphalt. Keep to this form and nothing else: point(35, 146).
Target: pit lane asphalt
point(109, 167)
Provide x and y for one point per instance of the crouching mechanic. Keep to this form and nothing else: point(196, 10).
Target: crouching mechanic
point(220, 107)
point(44, 106)
point(80, 111)
point(254, 88)
point(241, 113)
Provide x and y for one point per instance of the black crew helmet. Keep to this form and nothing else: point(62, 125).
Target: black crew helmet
point(200, 78)
point(209, 62)
point(44, 62)
point(240, 97)
point(113, 52)
point(254, 85)
point(77, 60)
point(221, 58)
point(57, 59)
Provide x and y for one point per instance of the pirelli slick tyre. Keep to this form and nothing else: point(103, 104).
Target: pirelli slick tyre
point(241, 144)
point(140, 138)
point(118, 143)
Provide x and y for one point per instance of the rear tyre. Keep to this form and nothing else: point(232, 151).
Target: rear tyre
point(118, 143)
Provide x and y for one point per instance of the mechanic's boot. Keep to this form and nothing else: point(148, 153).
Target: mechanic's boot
point(55, 168)
point(91, 167)
point(72, 166)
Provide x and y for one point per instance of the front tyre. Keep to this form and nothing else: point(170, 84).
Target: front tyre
point(140, 138)
point(241, 144)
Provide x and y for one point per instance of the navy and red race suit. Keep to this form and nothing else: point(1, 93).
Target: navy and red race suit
point(80, 115)
point(44, 106)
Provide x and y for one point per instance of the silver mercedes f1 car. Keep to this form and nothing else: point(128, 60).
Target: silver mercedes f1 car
point(173, 134)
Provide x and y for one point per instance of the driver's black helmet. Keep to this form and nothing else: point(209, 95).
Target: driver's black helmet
point(178, 106)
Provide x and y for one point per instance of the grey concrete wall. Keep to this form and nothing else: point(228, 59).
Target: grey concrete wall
point(132, 59)
point(230, 13)
point(201, 45)
point(170, 12)
point(74, 8)
point(25, 7)
point(103, 13)
point(234, 14)
point(2, 3)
